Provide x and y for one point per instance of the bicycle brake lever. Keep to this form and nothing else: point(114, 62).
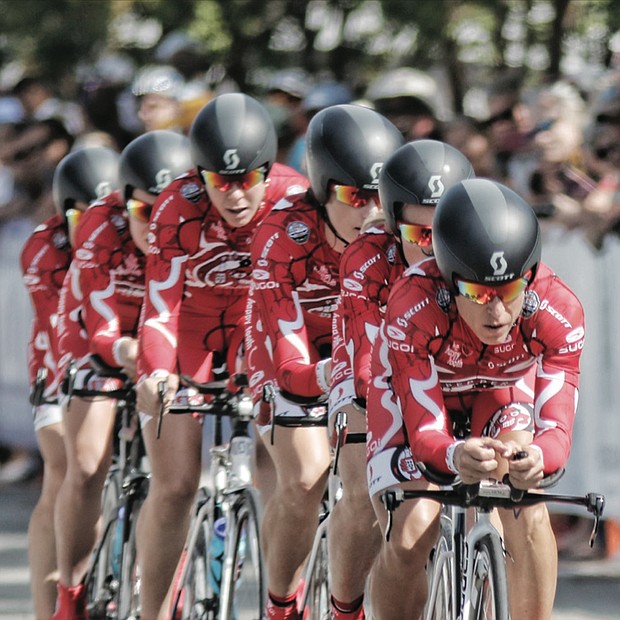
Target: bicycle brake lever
point(340, 430)
point(162, 386)
point(595, 504)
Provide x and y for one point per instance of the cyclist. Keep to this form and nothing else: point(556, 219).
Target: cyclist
point(197, 277)
point(487, 336)
point(99, 309)
point(410, 185)
point(45, 259)
point(288, 342)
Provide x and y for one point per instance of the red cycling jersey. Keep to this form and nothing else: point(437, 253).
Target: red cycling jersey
point(103, 291)
point(369, 266)
point(45, 259)
point(294, 291)
point(435, 363)
point(198, 275)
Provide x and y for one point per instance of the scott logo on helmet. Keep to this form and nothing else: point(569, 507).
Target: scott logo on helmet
point(499, 264)
point(436, 186)
point(375, 169)
point(162, 179)
point(103, 189)
point(231, 159)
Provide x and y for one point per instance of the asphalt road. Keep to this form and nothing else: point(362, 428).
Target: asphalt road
point(587, 590)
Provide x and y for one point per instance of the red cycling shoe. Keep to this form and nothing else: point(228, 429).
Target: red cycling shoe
point(71, 603)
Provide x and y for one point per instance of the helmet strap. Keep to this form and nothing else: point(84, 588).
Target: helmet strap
point(323, 212)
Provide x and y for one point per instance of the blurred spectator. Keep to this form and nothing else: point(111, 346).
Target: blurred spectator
point(158, 89)
point(39, 103)
point(464, 134)
point(507, 127)
point(166, 100)
point(411, 100)
point(560, 183)
point(602, 205)
point(285, 92)
point(30, 152)
point(108, 106)
point(322, 95)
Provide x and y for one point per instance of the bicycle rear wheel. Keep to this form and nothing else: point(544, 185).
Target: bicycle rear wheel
point(243, 585)
point(489, 588)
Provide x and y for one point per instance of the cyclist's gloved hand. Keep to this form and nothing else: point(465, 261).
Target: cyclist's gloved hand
point(477, 458)
point(528, 471)
point(148, 398)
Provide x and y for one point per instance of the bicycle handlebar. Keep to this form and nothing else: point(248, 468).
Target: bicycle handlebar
point(488, 494)
point(223, 404)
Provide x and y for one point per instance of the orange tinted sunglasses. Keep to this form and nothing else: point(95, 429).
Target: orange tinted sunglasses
point(224, 182)
point(416, 234)
point(139, 210)
point(355, 197)
point(483, 293)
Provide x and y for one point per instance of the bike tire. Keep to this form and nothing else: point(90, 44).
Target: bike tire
point(489, 586)
point(102, 580)
point(441, 604)
point(195, 598)
point(318, 606)
point(243, 588)
point(129, 593)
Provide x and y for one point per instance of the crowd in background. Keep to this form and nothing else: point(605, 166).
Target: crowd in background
point(556, 145)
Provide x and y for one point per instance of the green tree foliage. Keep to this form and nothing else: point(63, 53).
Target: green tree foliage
point(52, 37)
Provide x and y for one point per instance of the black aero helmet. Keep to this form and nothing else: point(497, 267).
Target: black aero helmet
point(348, 144)
point(485, 232)
point(84, 175)
point(233, 134)
point(419, 173)
point(151, 161)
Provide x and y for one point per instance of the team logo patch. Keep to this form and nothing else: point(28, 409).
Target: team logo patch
point(60, 240)
point(530, 304)
point(119, 222)
point(391, 254)
point(443, 298)
point(351, 285)
point(298, 232)
point(403, 465)
point(191, 191)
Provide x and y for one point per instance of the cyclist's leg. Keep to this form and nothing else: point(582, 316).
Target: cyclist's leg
point(398, 585)
point(353, 535)
point(41, 538)
point(88, 430)
point(165, 514)
point(532, 569)
point(301, 457)
point(264, 468)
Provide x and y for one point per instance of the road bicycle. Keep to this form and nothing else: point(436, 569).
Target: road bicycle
point(315, 595)
point(112, 581)
point(467, 566)
point(227, 584)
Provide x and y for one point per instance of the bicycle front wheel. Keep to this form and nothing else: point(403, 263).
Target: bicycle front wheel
point(316, 603)
point(129, 600)
point(489, 588)
point(197, 594)
point(243, 585)
point(102, 578)
point(441, 593)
